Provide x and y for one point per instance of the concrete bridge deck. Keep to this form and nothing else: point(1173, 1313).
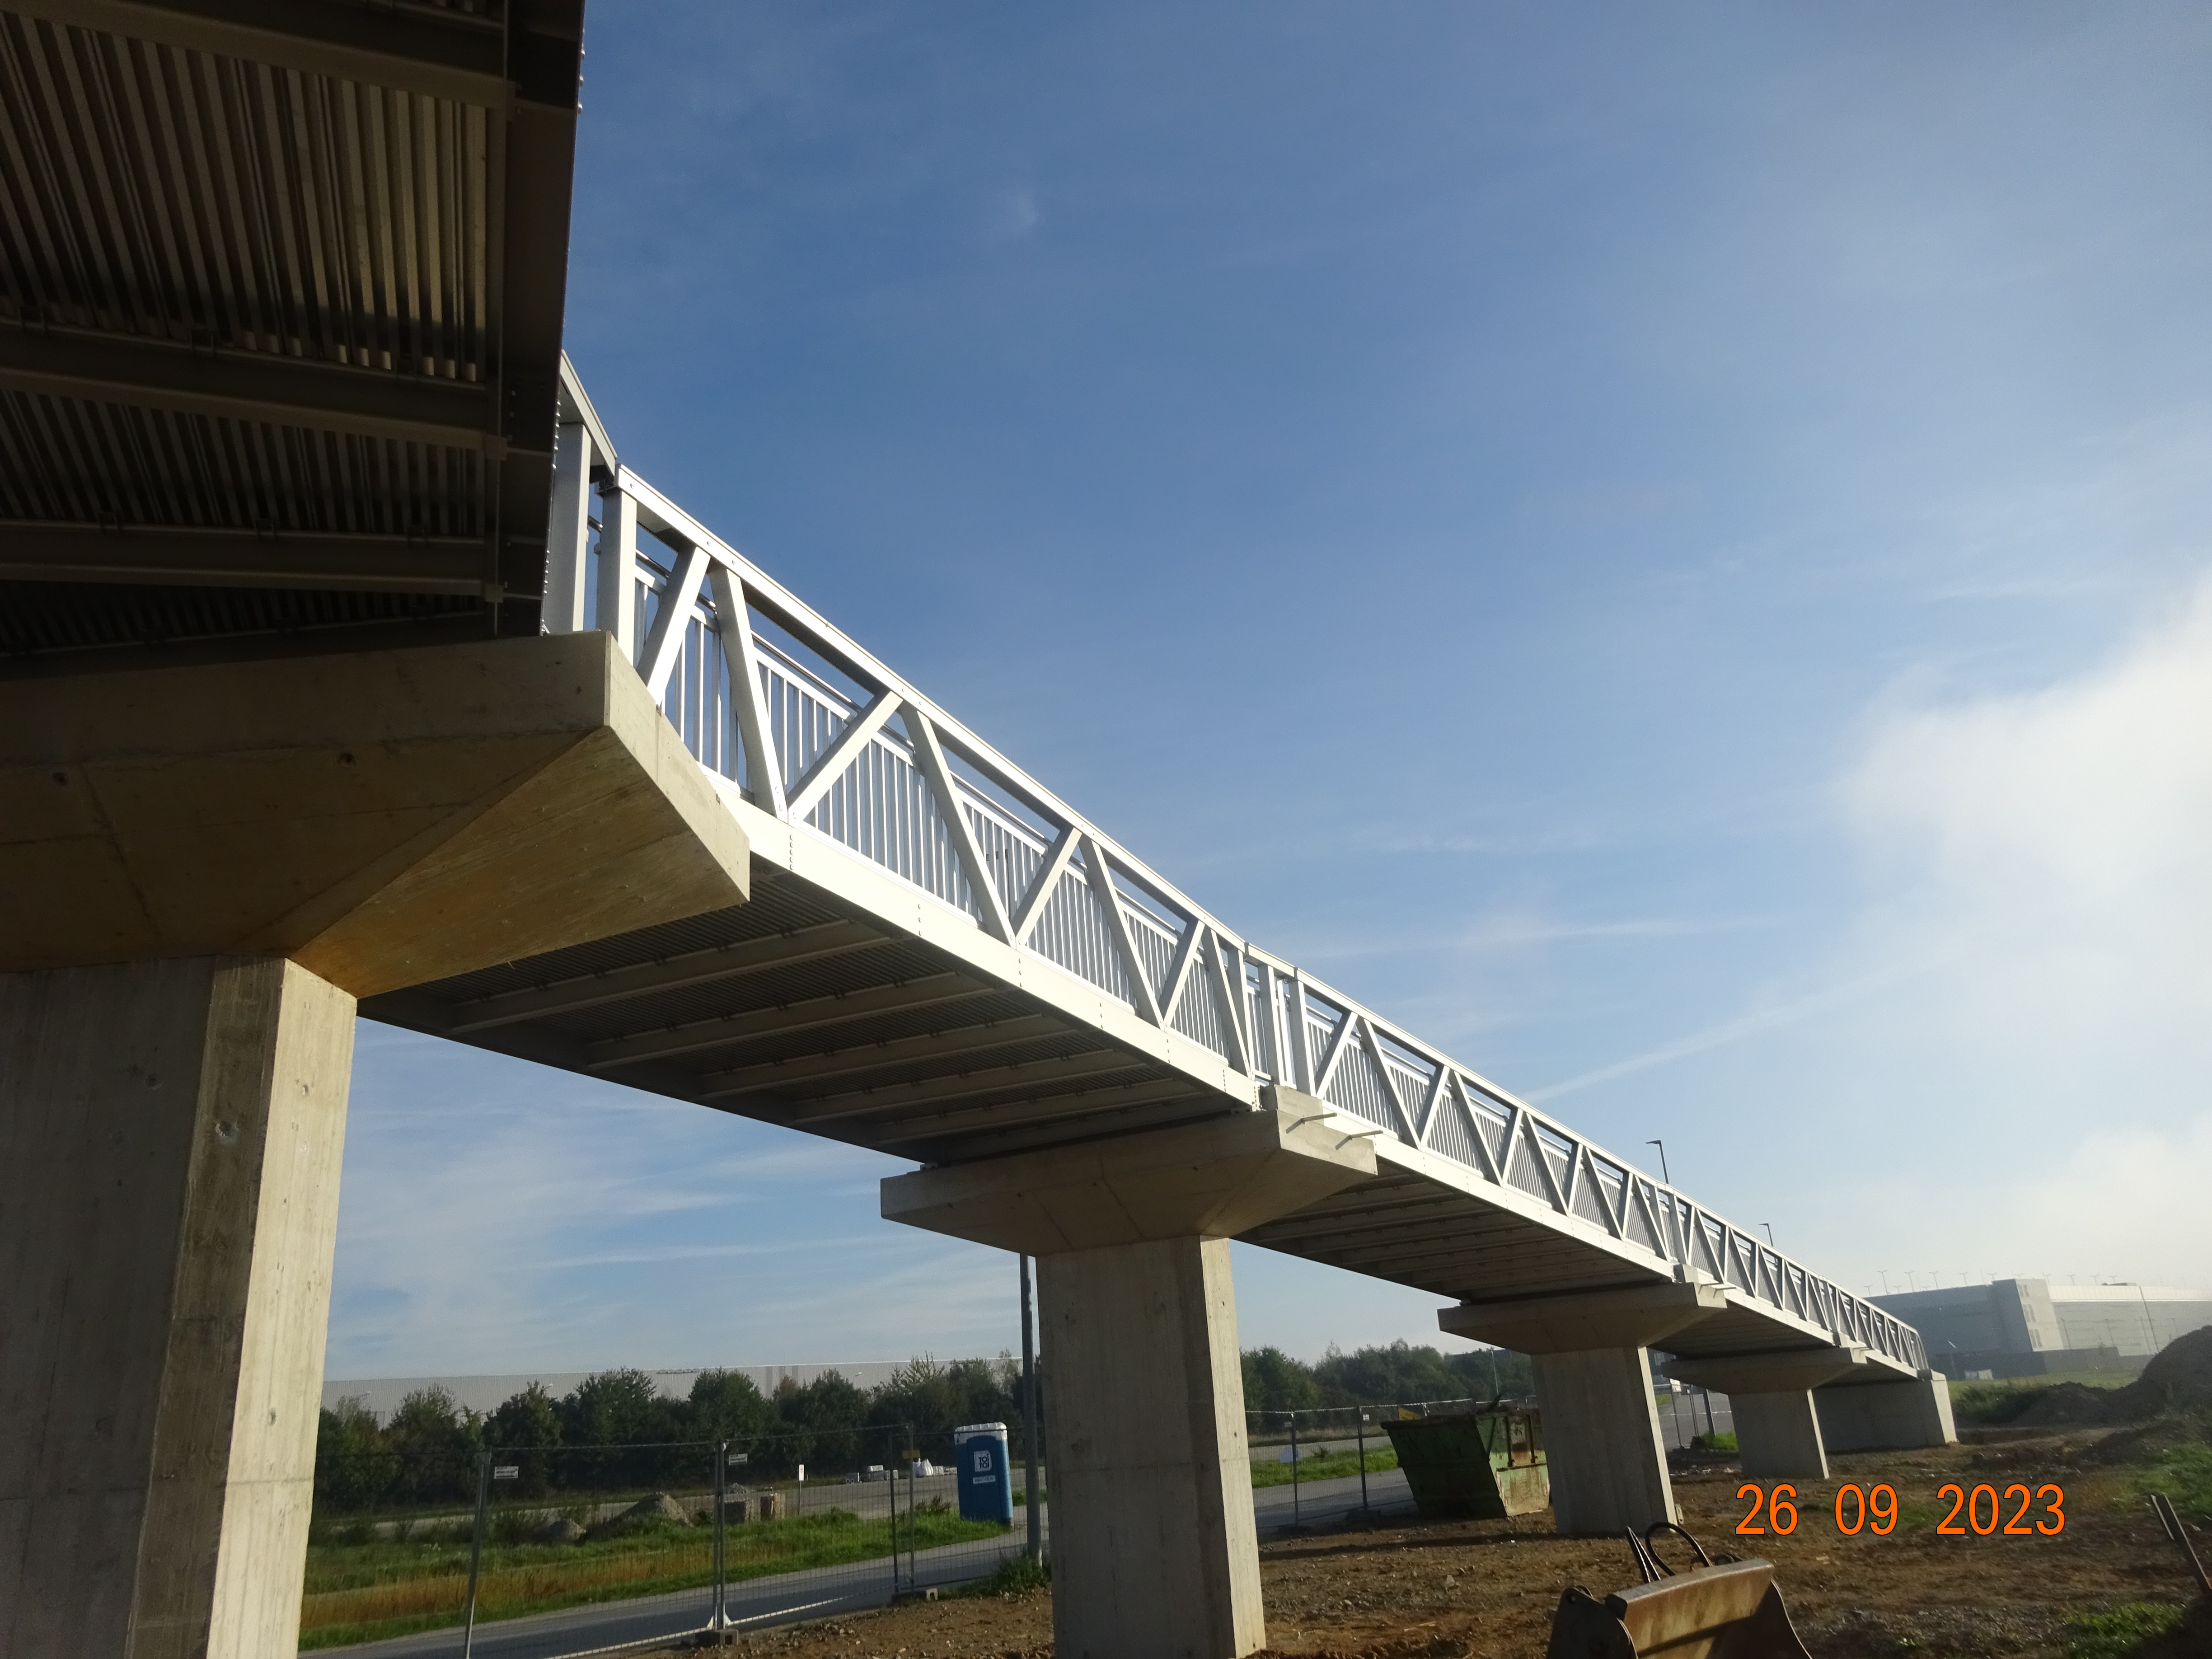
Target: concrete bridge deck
point(943, 961)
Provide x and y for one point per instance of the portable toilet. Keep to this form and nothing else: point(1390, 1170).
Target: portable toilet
point(986, 1486)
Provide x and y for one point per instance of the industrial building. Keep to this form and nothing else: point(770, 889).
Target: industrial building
point(2035, 1327)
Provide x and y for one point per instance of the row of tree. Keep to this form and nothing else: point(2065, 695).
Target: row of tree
point(615, 1431)
point(1401, 1374)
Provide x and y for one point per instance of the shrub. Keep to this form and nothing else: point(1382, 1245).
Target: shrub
point(2183, 1473)
point(1016, 1576)
point(2119, 1632)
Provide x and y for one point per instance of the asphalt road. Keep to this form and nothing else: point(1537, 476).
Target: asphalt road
point(817, 1593)
point(823, 1592)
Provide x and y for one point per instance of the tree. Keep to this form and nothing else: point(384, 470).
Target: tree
point(434, 1443)
point(827, 1415)
point(354, 1468)
point(529, 1419)
point(1273, 1382)
point(727, 1405)
point(615, 1409)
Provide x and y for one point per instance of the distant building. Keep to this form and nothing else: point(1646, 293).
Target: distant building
point(382, 1395)
point(2033, 1327)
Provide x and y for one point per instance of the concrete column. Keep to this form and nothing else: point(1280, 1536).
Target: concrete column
point(1590, 1352)
point(201, 867)
point(170, 1139)
point(1154, 1550)
point(1779, 1434)
point(1153, 1547)
point(1778, 1431)
point(1910, 1411)
point(1601, 1441)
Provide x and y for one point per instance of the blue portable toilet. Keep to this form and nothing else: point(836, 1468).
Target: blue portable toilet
point(987, 1484)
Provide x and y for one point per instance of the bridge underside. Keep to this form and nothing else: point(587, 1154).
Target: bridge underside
point(805, 1009)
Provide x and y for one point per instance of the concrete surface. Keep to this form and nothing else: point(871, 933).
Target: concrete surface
point(170, 1137)
point(1869, 1416)
point(1156, 1551)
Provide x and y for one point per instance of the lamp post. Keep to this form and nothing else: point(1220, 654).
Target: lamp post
point(1661, 1145)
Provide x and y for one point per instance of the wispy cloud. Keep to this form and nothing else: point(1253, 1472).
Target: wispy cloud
point(1756, 1023)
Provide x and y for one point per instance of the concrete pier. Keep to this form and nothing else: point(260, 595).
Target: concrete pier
point(200, 868)
point(1590, 1355)
point(1778, 1429)
point(1912, 1412)
point(1154, 1546)
point(170, 1138)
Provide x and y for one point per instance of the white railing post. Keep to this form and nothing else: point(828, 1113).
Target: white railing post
point(567, 537)
point(748, 693)
point(618, 567)
point(1301, 1060)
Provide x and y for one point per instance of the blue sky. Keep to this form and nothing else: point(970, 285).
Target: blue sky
point(1666, 548)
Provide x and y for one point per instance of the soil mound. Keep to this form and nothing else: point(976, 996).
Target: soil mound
point(647, 1515)
point(2067, 1402)
point(2177, 1379)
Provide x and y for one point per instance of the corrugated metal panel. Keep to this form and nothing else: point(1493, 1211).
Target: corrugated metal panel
point(237, 265)
point(180, 195)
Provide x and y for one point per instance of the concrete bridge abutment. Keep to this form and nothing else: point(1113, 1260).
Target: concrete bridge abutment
point(1778, 1429)
point(1154, 1545)
point(201, 869)
point(1590, 1352)
point(1912, 1411)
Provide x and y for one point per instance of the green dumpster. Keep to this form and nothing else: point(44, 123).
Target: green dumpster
point(1482, 1464)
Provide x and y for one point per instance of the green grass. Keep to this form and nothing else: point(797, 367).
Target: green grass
point(1331, 1468)
point(2119, 1632)
point(1723, 1441)
point(2183, 1473)
point(1016, 1576)
point(360, 1592)
point(1999, 1402)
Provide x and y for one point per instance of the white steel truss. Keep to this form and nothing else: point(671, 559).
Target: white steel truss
point(826, 739)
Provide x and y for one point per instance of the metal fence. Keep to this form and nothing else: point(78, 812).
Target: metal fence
point(1331, 1465)
point(549, 1551)
point(1334, 1465)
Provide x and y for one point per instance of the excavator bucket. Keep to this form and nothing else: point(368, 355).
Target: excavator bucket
point(1729, 1610)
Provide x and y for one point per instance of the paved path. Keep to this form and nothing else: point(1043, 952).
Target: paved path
point(1327, 1503)
point(816, 1593)
point(823, 1592)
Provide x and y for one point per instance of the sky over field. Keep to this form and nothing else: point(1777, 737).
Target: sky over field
point(1667, 549)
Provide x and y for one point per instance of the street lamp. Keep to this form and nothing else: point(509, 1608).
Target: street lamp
point(1769, 1226)
point(1661, 1145)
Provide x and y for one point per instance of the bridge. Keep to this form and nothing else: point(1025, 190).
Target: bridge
point(354, 667)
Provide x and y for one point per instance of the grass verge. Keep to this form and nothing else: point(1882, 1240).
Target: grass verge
point(2117, 1633)
point(361, 1593)
point(1331, 1468)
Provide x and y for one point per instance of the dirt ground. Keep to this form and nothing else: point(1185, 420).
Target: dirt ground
point(1488, 1587)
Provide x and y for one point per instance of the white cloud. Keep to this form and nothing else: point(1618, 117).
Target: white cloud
point(2056, 848)
point(2042, 1098)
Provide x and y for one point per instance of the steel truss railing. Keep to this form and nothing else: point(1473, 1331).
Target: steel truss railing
point(828, 739)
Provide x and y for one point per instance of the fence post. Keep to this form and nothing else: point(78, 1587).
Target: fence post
point(894, 1565)
point(1362, 1432)
point(476, 1552)
point(721, 1615)
point(1295, 1519)
point(1036, 1548)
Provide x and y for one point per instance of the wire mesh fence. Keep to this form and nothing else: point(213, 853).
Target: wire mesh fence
point(545, 1552)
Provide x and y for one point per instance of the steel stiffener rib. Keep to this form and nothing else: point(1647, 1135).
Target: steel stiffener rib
point(954, 1043)
point(840, 1009)
point(740, 960)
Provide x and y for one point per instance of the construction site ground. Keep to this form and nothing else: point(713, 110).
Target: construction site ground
point(1429, 1589)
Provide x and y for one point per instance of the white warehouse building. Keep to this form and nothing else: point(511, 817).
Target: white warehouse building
point(2032, 1327)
